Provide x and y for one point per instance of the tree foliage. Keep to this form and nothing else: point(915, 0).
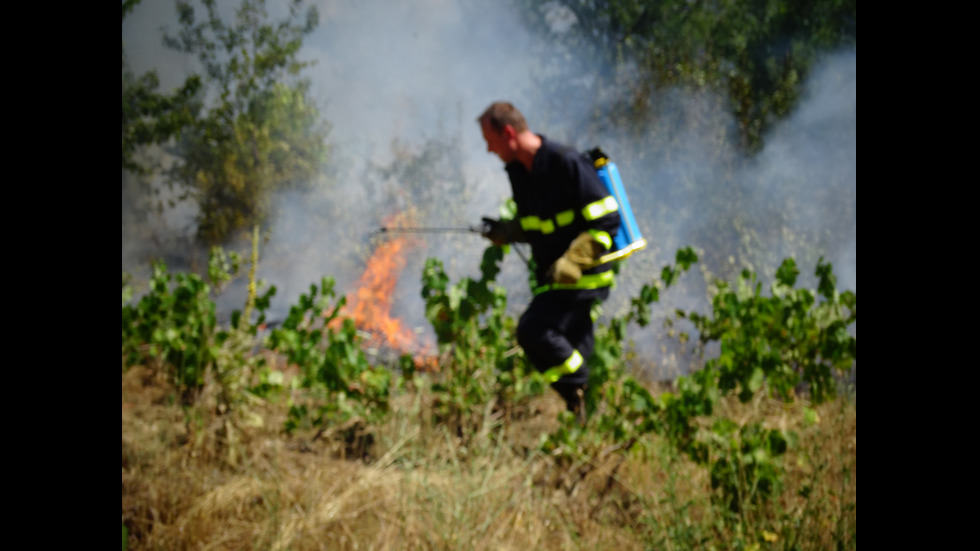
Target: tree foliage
point(756, 52)
point(148, 116)
point(261, 133)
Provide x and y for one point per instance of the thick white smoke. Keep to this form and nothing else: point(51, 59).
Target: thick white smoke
point(419, 72)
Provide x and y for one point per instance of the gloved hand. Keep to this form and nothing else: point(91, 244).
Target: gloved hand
point(579, 256)
point(494, 231)
point(502, 232)
point(584, 250)
point(564, 271)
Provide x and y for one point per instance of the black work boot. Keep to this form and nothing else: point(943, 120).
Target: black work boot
point(574, 396)
point(578, 406)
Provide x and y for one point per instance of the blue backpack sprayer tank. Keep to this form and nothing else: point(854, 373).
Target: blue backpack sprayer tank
point(628, 239)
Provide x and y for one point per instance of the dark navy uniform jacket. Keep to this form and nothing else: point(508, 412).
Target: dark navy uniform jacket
point(558, 199)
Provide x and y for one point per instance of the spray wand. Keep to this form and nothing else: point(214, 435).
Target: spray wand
point(401, 229)
point(474, 229)
point(482, 229)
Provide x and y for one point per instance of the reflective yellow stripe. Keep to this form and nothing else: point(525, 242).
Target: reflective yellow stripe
point(587, 281)
point(530, 223)
point(535, 223)
point(565, 218)
point(570, 365)
point(602, 237)
point(601, 207)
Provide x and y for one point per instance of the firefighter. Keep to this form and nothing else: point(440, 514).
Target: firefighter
point(569, 219)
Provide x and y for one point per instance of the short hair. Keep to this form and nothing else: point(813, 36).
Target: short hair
point(502, 113)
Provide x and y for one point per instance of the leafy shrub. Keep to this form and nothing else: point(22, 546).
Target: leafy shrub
point(773, 344)
point(172, 325)
point(746, 469)
point(476, 338)
point(781, 340)
point(335, 383)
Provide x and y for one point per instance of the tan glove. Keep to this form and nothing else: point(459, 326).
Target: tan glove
point(564, 271)
point(579, 256)
point(584, 250)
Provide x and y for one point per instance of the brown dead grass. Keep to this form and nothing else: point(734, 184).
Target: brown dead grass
point(424, 488)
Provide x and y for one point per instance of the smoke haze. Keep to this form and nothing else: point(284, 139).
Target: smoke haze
point(395, 78)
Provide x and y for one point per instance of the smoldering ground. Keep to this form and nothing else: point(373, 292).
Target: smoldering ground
point(400, 85)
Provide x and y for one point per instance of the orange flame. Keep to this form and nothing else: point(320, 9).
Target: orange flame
point(370, 305)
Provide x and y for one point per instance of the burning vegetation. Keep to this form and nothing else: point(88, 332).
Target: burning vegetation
point(369, 306)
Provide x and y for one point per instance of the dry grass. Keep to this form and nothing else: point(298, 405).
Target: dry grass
point(190, 485)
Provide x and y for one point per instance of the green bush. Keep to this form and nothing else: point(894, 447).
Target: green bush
point(773, 344)
point(335, 383)
point(482, 362)
point(781, 340)
point(172, 325)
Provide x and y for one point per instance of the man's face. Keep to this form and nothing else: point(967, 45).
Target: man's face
point(503, 143)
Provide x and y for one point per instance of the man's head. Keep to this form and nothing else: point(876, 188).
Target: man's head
point(501, 114)
point(501, 124)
